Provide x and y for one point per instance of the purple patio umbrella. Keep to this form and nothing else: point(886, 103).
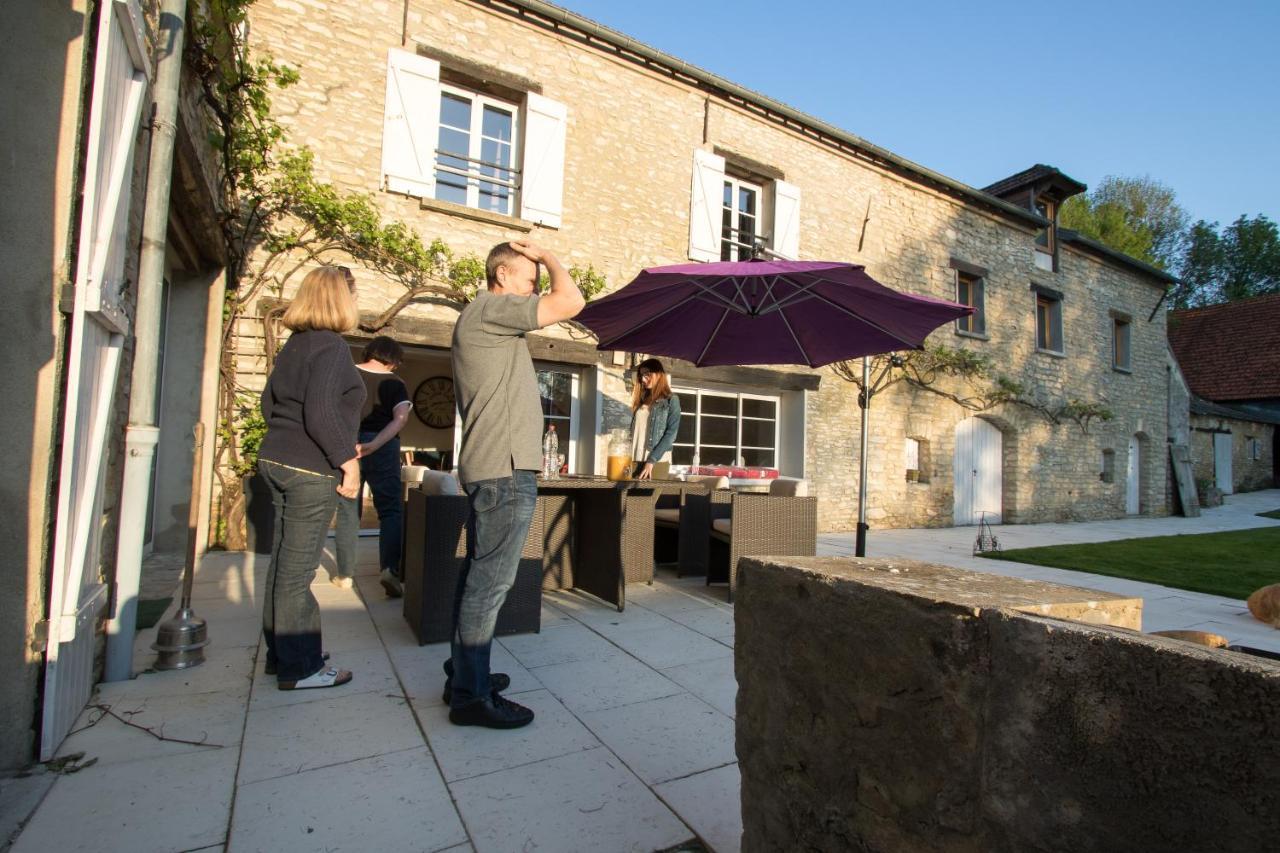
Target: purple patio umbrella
point(769, 312)
point(763, 312)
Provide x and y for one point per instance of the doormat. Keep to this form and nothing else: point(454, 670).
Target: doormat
point(150, 611)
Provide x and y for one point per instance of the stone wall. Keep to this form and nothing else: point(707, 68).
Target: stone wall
point(1247, 474)
point(894, 706)
point(630, 142)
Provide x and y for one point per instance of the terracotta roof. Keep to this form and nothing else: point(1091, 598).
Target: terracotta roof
point(1231, 351)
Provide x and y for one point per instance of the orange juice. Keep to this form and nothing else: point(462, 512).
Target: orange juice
point(619, 467)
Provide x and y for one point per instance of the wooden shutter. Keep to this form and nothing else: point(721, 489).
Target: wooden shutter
point(410, 124)
point(98, 327)
point(706, 205)
point(542, 171)
point(786, 219)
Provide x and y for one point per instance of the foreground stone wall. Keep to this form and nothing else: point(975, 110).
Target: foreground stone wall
point(897, 706)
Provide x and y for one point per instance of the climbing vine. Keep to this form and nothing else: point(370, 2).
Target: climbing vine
point(977, 384)
point(277, 219)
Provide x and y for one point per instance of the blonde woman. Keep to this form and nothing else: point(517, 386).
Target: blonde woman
point(311, 405)
point(656, 421)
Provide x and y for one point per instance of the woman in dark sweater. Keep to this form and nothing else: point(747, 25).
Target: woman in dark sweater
point(308, 457)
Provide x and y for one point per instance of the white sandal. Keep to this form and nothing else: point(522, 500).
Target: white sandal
point(323, 678)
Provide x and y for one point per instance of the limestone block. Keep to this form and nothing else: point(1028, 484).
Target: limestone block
point(1264, 604)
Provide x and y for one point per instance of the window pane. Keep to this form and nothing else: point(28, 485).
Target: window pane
point(758, 433)
point(747, 202)
point(1042, 324)
point(759, 408)
point(728, 195)
point(556, 390)
point(717, 456)
point(714, 404)
point(758, 458)
point(455, 111)
point(496, 124)
point(717, 430)
point(455, 142)
point(688, 429)
point(682, 455)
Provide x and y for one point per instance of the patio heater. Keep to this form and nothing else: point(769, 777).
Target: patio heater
point(181, 640)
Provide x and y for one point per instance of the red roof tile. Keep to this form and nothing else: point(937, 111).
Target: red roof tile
point(1231, 351)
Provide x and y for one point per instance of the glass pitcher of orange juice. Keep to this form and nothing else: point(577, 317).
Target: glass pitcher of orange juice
point(619, 455)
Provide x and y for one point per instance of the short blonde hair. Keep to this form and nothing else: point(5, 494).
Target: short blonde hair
point(324, 301)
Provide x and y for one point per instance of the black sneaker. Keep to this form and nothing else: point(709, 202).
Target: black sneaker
point(498, 681)
point(494, 712)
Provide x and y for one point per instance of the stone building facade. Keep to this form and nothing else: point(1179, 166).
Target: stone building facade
point(1232, 448)
point(622, 154)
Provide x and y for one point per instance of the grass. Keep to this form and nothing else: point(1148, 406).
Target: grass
point(1233, 564)
point(1275, 513)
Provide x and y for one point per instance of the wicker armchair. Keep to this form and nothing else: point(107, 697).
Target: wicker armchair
point(781, 523)
point(435, 550)
point(681, 523)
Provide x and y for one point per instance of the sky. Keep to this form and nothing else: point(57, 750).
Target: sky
point(1185, 92)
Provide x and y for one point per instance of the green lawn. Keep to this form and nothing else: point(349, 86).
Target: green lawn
point(1233, 564)
point(1275, 513)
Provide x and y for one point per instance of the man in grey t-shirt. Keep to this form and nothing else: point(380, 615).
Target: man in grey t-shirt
point(497, 392)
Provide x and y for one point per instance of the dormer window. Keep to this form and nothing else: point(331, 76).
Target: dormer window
point(1044, 237)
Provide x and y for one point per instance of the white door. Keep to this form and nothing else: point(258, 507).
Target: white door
point(1133, 477)
point(1222, 461)
point(98, 328)
point(977, 466)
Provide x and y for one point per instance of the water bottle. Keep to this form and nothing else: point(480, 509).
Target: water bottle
point(550, 450)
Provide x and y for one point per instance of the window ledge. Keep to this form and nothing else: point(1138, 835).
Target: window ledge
point(1050, 352)
point(1118, 369)
point(977, 336)
point(478, 215)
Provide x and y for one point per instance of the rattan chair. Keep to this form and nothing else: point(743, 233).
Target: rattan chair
point(435, 550)
point(680, 524)
point(781, 523)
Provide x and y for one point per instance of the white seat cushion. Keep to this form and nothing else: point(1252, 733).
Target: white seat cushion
point(412, 473)
point(440, 483)
point(789, 487)
point(672, 516)
point(723, 525)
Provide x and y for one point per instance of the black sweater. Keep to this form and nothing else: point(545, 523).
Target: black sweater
point(312, 404)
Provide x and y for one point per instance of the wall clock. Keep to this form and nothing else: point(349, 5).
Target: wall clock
point(433, 402)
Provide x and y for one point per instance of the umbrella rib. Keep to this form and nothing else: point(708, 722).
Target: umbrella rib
point(711, 337)
point(802, 292)
point(799, 347)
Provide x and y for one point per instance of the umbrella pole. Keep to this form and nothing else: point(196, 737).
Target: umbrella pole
point(864, 401)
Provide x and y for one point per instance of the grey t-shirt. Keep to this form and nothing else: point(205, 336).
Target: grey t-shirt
point(496, 387)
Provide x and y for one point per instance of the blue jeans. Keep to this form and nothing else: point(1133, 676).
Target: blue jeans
point(379, 470)
point(303, 504)
point(501, 512)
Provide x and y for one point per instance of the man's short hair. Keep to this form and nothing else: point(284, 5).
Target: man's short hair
point(500, 255)
point(385, 350)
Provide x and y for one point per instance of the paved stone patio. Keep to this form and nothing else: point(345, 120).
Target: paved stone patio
point(632, 748)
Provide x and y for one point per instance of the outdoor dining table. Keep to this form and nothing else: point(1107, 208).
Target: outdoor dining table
point(599, 532)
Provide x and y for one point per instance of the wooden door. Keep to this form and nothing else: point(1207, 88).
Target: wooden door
point(978, 472)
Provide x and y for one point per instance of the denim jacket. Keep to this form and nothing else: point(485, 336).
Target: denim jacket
point(664, 423)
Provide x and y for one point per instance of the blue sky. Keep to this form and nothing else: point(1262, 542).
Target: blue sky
point(1187, 92)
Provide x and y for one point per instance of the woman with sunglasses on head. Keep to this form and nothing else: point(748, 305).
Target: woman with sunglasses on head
point(656, 421)
point(311, 404)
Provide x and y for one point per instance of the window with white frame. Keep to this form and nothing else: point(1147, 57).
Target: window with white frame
point(558, 388)
point(1048, 321)
point(503, 154)
point(475, 151)
point(726, 428)
point(740, 220)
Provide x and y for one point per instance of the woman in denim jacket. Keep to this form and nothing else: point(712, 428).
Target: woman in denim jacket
point(656, 420)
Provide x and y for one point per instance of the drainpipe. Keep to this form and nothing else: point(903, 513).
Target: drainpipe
point(143, 434)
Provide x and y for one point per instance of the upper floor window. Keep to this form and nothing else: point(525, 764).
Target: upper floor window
point(1044, 237)
point(470, 147)
point(740, 221)
point(1121, 332)
point(970, 291)
point(731, 215)
point(1048, 321)
point(475, 151)
point(724, 428)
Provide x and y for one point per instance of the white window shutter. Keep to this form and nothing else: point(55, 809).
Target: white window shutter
point(411, 119)
point(786, 220)
point(542, 172)
point(706, 206)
